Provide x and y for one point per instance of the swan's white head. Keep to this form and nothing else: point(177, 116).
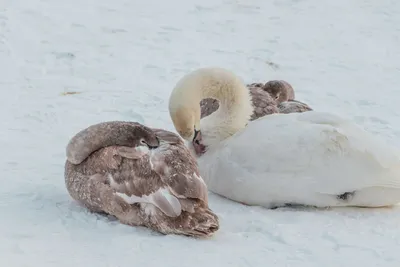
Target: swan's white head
point(186, 121)
point(235, 107)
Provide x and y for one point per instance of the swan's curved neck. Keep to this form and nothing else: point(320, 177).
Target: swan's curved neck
point(235, 106)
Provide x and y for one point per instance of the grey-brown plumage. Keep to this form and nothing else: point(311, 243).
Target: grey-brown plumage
point(284, 95)
point(263, 103)
point(97, 136)
point(292, 106)
point(275, 96)
point(279, 90)
point(159, 188)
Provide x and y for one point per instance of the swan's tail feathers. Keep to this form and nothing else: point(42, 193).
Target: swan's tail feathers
point(375, 197)
point(390, 178)
point(384, 191)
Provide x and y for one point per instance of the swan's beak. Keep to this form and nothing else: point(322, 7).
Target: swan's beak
point(197, 135)
point(199, 148)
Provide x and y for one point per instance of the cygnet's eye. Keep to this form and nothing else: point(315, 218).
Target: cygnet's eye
point(143, 142)
point(277, 96)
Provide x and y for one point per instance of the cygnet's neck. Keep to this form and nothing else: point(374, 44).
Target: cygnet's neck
point(235, 105)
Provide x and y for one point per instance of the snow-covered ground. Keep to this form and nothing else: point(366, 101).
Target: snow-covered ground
point(124, 57)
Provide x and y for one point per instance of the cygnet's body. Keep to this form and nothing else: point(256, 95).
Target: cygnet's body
point(275, 96)
point(144, 177)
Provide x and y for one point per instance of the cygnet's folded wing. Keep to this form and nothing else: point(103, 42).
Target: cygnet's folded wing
point(179, 170)
point(263, 103)
point(292, 106)
point(166, 177)
point(167, 136)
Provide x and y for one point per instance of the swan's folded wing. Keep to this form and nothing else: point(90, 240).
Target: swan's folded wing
point(167, 136)
point(170, 177)
point(161, 198)
point(314, 151)
point(135, 182)
point(263, 103)
point(178, 170)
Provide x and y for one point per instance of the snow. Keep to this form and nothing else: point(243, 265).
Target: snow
point(123, 58)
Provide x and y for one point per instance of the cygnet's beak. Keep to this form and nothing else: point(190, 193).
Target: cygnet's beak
point(197, 143)
point(154, 144)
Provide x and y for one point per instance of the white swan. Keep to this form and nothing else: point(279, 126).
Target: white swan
point(310, 158)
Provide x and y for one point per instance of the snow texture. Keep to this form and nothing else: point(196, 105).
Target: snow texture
point(124, 57)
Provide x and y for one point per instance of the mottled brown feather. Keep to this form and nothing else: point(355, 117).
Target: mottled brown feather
point(292, 106)
point(263, 103)
point(175, 164)
point(173, 167)
point(103, 134)
point(266, 98)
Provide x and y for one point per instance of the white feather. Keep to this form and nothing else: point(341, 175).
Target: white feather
point(162, 199)
point(306, 158)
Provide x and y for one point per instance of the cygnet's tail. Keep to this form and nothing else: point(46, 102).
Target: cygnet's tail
point(201, 223)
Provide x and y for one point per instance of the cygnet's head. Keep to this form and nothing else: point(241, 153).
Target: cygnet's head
point(110, 133)
point(280, 90)
point(146, 137)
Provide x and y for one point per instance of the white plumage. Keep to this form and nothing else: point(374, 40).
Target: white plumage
point(305, 158)
point(312, 158)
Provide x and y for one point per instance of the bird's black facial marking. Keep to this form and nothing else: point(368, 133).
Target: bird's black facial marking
point(199, 147)
point(196, 134)
point(346, 196)
point(150, 146)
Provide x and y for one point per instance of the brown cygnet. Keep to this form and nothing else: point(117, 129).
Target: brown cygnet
point(143, 176)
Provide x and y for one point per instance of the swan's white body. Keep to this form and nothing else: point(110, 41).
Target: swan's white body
point(303, 158)
point(310, 158)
